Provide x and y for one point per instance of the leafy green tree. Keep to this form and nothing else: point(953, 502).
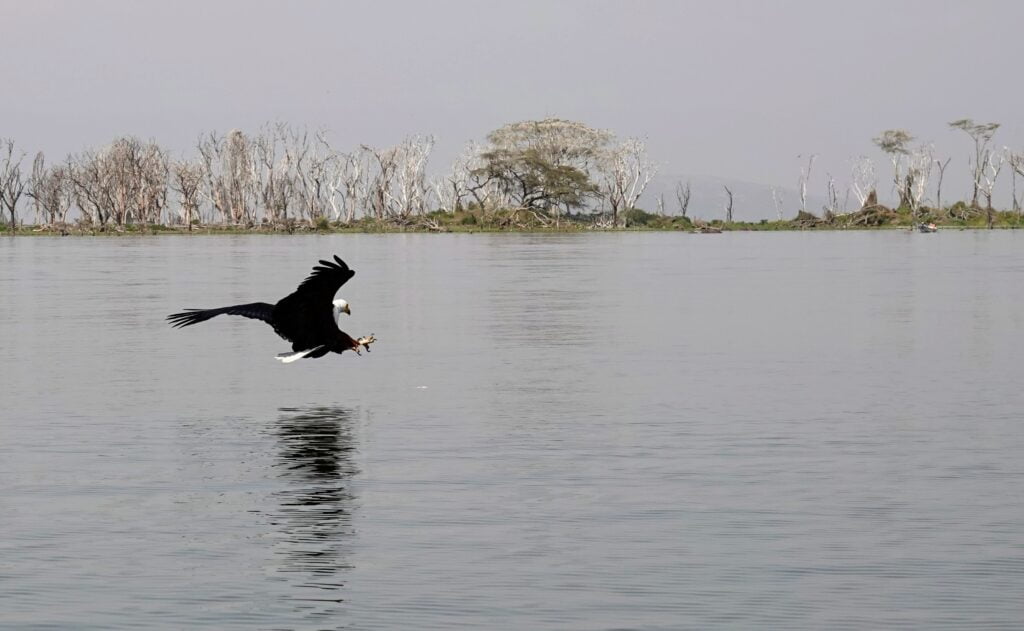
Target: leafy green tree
point(532, 181)
point(543, 165)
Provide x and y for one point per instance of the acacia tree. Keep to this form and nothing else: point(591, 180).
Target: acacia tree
point(534, 183)
point(485, 191)
point(894, 142)
point(981, 134)
point(543, 165)
point(12, 184)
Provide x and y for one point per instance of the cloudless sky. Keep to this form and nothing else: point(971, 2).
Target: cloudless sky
point(733, 88)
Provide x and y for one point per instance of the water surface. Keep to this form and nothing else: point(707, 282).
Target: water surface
point(606, 431)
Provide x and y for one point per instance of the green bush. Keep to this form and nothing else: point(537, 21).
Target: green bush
point(638, 217)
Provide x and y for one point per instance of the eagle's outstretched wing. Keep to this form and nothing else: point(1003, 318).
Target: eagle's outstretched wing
point(324, 282)
point(254, 310)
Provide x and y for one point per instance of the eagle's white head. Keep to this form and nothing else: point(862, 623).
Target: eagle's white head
point(340, 307)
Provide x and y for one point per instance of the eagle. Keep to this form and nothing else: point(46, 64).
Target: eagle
point(308, 317)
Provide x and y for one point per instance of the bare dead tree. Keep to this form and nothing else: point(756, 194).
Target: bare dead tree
point(683, 197)
point(187, 180)
point(50, 189)
point(89, 187)
point(354, 183)
point(728, 204)
point(981, 134)
point(132, 180)
point(777, 200)
point(330, 165)
point(994, 162)
point(452, 190)
point(805, 175)
point(152, 170)
point(12, 184)
point(386, 164)
point(864, 180)
point(831, 209)
point(228, 168)
point(1016, 162)
point(411, 192)
point(919, 168)
point(941, 166)
point(311, 168)
point(315, 190)
point(119, 162)
point(625, 173)
point(270, 175)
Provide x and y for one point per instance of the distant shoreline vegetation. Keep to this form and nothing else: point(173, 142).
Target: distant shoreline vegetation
point(529, 176)
point(517, 221)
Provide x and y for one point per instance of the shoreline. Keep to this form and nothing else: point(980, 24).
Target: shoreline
point(215, 230)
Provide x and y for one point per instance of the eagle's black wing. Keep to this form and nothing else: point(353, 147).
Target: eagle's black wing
point(325, 281)
point(254, 310)
point(306, 316)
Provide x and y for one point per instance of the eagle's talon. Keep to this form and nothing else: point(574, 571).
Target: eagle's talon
point(364, 342)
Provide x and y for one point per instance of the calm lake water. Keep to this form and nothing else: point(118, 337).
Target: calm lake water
point(606, 431)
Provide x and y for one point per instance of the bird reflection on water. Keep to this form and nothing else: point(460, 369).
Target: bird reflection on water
point(316, 448)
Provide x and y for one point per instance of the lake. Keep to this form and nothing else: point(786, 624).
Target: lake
point(566, 431)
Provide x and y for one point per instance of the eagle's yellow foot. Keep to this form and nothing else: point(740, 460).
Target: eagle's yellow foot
point(364, 342)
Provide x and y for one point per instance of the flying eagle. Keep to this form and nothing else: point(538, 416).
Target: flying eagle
point(308, 317)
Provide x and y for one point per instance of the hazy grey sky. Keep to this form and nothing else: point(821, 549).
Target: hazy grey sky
point(731, 88)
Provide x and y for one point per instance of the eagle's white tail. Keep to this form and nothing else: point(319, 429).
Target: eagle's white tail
point(287, 358)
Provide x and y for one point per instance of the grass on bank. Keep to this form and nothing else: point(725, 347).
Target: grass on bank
point(959, 215)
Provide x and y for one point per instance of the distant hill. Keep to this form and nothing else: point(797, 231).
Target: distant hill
point(751, 201)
